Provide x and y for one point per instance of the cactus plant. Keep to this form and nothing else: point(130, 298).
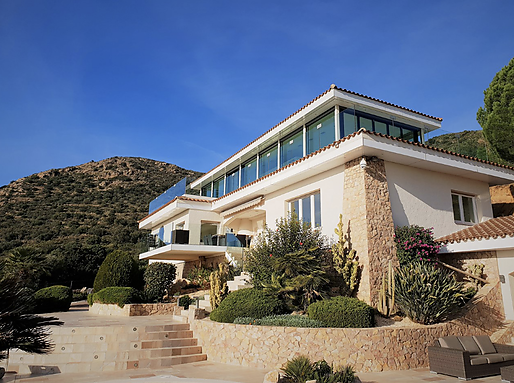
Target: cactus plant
point(386, 294)
point(345, 262)
point(219, 287)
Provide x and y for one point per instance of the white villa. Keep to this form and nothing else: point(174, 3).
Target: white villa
point(342, 153)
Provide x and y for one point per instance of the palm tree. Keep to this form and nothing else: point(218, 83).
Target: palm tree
point(26, 266)
point(18, 327)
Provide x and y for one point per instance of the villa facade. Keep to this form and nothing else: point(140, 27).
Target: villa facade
point(342, 153)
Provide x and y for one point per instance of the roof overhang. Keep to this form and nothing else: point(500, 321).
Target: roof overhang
point(370, 145)
point(331, 98)
point(489, 244)
point(170, 210)
point(178, 252)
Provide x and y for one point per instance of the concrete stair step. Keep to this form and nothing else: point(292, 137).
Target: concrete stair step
point(153, 344)
point(163, 335)
point(175, 351)
point(165, 362)
point(168, 327)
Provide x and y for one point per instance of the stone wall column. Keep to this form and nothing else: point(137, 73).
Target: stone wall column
point(368, 220)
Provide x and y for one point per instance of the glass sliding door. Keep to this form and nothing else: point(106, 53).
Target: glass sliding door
point(218, 187)
point(249, 172)
point(291, 148)
point(268, 160)
point(232, 180)
point(320, 133)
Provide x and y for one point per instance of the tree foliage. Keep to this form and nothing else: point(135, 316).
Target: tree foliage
point(19, 328)
point(497, 115)
point(290, 261)
point(26, 266)
point(159, 277)
point(119, 269)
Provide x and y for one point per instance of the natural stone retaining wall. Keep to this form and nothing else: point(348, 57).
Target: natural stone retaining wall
point(373, 349)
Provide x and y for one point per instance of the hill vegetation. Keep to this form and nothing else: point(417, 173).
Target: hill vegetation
point(76, 215)
point(470, 143)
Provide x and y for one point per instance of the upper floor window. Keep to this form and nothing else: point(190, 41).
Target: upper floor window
point(207, 190)
point(232, 180)
point(320, 133)
point(291, 148)
point(307, 208)
point(218, 187)
point(268, 161)
point(463, 208)
point(352, 120)
point(249, 171)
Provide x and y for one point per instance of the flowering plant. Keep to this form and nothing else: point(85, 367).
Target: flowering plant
point(414, 243)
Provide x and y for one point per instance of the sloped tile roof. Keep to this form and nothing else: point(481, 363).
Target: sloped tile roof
point(500, 227)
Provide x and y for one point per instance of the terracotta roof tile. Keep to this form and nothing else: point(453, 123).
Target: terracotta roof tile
point(493, 228)
point(387, 103)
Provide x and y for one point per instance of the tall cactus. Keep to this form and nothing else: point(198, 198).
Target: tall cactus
point(386, 294)
point(345, 262)
point(219, 287)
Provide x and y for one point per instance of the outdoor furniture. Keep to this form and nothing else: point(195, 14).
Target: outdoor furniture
point(468, 357)
point(507, 373)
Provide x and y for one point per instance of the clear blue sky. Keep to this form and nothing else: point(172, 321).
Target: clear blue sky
point(191, 82)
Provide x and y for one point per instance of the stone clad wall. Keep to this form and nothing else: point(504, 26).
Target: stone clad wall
point(140, 309)
point(368, 218)
point(367, 350)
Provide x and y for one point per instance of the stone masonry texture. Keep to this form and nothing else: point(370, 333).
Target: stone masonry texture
point(368, 218)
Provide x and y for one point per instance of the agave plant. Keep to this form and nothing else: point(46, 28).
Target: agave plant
point(427, 294)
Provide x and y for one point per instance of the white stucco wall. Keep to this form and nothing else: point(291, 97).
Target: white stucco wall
point(330, 185)
point(423, 197)
point(505, 267)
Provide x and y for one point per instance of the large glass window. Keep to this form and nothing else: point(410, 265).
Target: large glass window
point(320, 133)
point(352, 120)
point(348, 122)
point(291, 148)
point(463, 208)
point(308, 209)
point(249, 172)
point(232, 180)
point(207, 190)
point(218, 187)
point(268, 161)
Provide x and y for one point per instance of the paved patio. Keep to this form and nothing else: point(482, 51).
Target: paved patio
point(198, 372)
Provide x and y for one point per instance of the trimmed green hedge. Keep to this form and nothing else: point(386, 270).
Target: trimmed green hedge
point(116, 295)
point(52, 299)
point(247, 303)
point(158, 278)
point(285, 320)
point(118, 269)
point(342, 312)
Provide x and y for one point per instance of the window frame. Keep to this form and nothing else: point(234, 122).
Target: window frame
point(461, 221)
point(313, 202)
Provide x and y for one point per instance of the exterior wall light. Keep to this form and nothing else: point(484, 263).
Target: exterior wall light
point(363, 163)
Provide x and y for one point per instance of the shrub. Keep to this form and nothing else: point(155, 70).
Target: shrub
point(117, 295)
point(427, 294)
point(159, 277)
point(414, 243)
point(118, 269)
point(52, 299)
point(200, 276)
point(185, 301)
point(342, 312)
point(299, 369)
point(79, 296)
point(246, 302)
point(90, 299)
point(285, 320)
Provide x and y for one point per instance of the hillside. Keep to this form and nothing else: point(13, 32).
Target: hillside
point(78, 214)
point(470, 143)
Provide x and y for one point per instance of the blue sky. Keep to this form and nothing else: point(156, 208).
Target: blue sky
point(190, 83)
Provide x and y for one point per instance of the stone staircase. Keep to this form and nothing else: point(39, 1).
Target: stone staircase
point(112, 348)
point(240, 282)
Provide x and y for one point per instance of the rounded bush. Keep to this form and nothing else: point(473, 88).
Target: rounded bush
point(118, 269)
point(117, 295)
point(52, 299)
point(247, 303)
point(159, 277)
point(342, 312)
point(185, 301)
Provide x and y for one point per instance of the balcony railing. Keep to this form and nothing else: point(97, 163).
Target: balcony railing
point(182, 237)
